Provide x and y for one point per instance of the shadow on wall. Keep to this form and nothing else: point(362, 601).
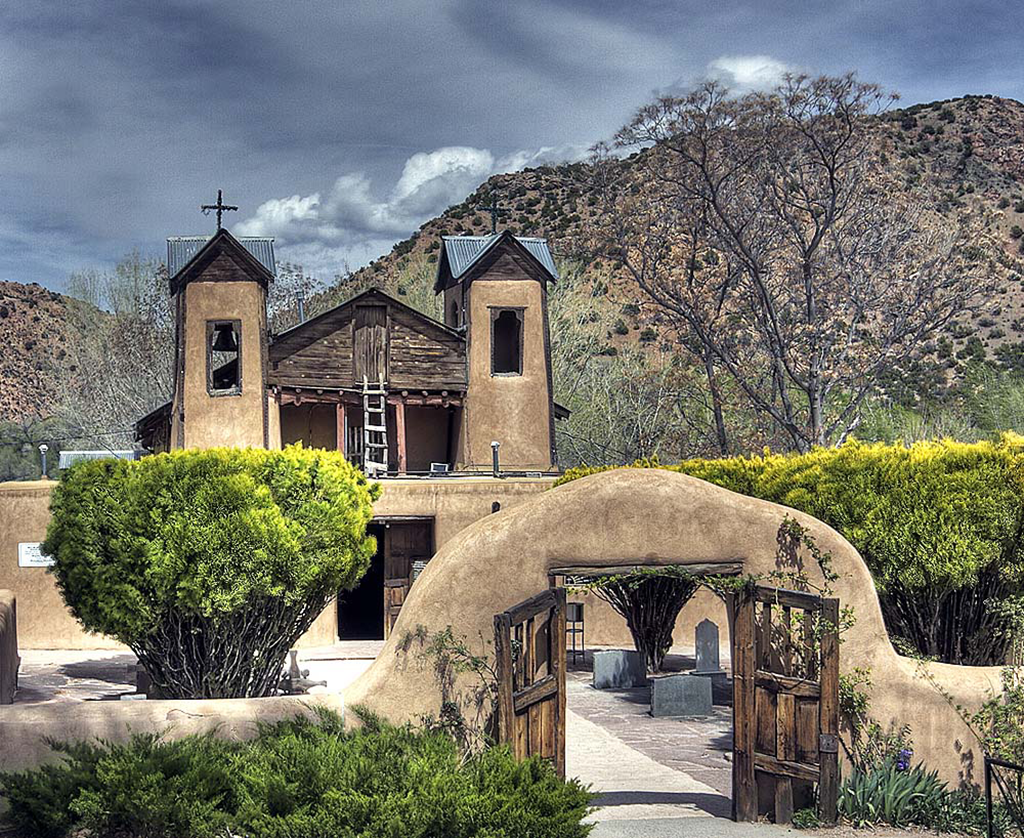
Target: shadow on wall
point(651, 516)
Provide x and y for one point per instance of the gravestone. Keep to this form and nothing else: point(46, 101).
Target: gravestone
point(706, 644)
point(618, 669)
point(680, 695)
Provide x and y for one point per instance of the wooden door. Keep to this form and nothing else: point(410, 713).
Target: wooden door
point(529, 644)
point(785, 703)
point(370, 343)
point(406, 543)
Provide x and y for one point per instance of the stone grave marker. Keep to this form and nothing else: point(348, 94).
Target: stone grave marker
point(680, 695)
point(706, 644)
point(618, 669)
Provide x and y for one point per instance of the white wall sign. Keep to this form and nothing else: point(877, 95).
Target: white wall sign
point(30, 554)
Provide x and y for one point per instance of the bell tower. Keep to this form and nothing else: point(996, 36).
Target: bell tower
point(495, 289)
point(219, 290)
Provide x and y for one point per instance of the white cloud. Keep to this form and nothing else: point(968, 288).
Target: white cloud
point(743, 73)
point(348, 226)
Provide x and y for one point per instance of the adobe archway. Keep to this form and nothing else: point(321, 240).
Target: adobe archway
point(653, 516)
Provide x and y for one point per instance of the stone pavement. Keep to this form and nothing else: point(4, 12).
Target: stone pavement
point(47, 676)
point(701, 747)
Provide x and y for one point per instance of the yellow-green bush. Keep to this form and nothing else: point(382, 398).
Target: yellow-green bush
point(939, 524)
point(209, 565)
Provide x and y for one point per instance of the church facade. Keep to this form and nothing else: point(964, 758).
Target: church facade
point(459, 410)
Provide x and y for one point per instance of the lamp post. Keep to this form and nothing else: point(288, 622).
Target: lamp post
point(42, 454)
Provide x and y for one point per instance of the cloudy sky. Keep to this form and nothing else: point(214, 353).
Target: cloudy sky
point(339, 127)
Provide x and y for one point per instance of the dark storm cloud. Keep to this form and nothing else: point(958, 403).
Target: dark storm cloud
point(340, 126)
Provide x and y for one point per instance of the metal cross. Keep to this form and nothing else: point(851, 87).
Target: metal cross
point(220, 207)
point(495, 211)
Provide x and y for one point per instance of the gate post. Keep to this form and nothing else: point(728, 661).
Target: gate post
point(744, 665)
point(828, 747)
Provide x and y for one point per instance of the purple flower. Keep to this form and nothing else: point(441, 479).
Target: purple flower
point(903, 760)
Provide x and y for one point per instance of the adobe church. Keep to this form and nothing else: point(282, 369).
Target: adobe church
point(444, 408)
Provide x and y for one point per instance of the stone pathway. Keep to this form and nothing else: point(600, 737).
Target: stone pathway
point(631, 785)
point(701, 747)
point(48, 676)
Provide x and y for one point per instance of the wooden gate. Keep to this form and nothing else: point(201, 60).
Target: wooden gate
point(785, 667)
point(370, 344)
point(529, 644)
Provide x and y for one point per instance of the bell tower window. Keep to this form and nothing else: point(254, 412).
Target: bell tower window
point(224, 357)
point(506, 341)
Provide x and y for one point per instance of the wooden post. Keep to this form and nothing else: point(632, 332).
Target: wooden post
point(503, 666)
point(828, 741)
point(340, 425)
point(400, 435)
point(558, 665)
point(744, 663)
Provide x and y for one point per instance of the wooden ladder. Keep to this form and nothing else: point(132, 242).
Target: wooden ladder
point(375, 429)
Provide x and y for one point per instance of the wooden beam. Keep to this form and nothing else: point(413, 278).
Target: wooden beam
point(400, 436)
point(776, 683)
point(695, 568)
point(340, 425)
point(785, 768)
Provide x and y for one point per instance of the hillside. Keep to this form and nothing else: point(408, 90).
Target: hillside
point(959, 155)
point(36, 327)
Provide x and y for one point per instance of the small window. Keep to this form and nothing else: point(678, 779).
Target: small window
point(224, 357)
point(506, 341)
point(455, 313)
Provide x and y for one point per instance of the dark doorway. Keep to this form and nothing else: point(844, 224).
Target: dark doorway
point(361, 610)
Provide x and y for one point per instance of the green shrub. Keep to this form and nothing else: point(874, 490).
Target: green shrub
point(939, 525)
point(806, 819)
point(144, 787)
point(889, 794)
point(209, 565)
point(297, 778)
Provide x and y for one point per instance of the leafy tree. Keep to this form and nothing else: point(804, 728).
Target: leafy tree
point(19, 448)
point(209, 565)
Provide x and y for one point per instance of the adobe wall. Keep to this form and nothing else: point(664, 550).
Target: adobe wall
point(24, 726)
point(9, 660)
point(652, 516)
point(515, 410)
point(217, 421)
point(45, 623)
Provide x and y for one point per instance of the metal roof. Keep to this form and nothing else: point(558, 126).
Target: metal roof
point(67, 458)
point(463, 251)
point(181, 249)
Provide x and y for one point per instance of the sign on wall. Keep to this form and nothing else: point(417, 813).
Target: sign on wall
point(30, 554)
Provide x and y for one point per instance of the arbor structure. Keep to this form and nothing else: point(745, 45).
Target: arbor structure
point(755, 226)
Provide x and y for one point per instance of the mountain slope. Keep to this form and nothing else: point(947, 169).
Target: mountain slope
point(961, 155)
point(36, 327)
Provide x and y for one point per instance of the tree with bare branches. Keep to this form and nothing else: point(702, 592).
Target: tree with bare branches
point(756, 225)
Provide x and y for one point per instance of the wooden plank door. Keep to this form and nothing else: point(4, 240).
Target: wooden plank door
point(529, 644)
point(405, 543)
point(785, 703)
point(370, 343)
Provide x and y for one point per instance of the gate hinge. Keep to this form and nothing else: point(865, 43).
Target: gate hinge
point(828, 743)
